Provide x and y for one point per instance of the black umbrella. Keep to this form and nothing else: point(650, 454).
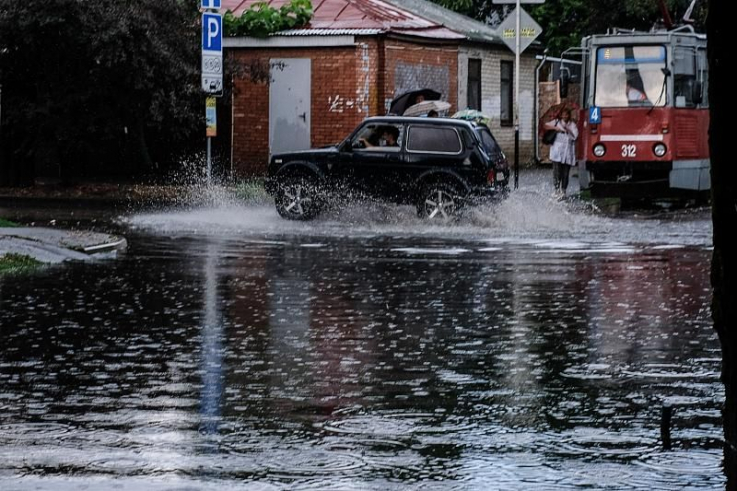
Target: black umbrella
point(402, 102)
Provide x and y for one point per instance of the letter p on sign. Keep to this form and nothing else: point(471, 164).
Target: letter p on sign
point(212, 32)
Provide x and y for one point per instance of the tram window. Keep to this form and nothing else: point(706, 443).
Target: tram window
point(630, 76)
point(703, 77)
point(688, 80)
point(684, 77)
point(684, 90)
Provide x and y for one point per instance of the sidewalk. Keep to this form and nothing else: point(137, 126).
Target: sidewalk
point(49, 245)
point(117, 196)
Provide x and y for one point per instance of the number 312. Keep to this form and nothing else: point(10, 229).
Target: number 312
point(629, 150)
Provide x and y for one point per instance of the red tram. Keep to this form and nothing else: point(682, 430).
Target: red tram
point(644, 119)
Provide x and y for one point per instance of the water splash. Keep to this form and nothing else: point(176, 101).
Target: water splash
point(529, 213)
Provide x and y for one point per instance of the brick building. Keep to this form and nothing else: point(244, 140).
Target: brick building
point(352, 59)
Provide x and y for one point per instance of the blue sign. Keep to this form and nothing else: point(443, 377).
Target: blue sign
point(210, 4)
point(595, 115)
point(212, 32)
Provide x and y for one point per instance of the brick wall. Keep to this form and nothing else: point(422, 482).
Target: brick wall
point(343, 92)
point(491, 99)
point(349, 83)
point(411, 66)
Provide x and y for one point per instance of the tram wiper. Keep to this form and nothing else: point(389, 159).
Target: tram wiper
point(666, 74)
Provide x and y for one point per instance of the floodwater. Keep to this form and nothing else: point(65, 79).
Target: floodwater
point(532, 344)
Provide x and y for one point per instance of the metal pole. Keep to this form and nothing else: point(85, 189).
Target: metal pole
point(536, 102)
point(209, 161)
point(516, 95)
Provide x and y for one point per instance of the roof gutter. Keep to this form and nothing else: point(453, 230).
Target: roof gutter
point(289, 41)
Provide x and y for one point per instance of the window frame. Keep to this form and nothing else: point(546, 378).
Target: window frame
point(435, 152)
point(509, 120)
point(474, 79)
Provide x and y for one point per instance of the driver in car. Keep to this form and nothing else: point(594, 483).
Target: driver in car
point(390, 135)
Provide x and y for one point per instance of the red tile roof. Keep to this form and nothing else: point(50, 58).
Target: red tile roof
point(359, 14)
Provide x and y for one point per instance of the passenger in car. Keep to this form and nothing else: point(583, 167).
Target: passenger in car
point(390, 135)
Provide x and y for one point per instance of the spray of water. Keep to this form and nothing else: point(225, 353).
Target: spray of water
point(529, 212)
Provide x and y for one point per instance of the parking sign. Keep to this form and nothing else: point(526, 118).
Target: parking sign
point(212, 53)
point(212, 32)
point(210, 4)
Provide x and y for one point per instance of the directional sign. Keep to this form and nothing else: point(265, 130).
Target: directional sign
point(212, 53)
point(210, 4)
point(528, 32)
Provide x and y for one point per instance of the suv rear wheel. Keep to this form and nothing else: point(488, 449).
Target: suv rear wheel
point(298, 199)
point(439, 201)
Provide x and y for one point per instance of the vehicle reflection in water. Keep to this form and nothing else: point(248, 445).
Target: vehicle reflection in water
point(373, 363)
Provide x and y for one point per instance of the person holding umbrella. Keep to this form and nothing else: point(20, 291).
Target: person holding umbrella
point(563, 150)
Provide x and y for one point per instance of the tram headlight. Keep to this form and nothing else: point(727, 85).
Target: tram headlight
point(599, 150)
point(659, 149)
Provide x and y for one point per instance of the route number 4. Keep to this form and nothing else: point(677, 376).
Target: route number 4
point(629, 150)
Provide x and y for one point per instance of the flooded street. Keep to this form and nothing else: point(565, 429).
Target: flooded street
point(531, 344)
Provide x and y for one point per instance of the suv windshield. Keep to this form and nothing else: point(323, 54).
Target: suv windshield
point(630, 76)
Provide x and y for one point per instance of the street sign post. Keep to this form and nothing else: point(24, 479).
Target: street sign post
point(212, 70)
point(212, 53)
point(518, 30)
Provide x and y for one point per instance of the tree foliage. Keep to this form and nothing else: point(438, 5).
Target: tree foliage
point(98, 87)
point(565, 22)
point(262, 19)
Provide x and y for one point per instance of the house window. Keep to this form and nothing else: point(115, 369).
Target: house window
point(505, 89)
point(474, 84)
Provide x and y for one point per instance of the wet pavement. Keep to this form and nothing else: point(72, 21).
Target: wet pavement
point(533, 344)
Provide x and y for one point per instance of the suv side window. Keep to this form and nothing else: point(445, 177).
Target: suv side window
point(379, 136)
point(489, 143)
point(433, 139)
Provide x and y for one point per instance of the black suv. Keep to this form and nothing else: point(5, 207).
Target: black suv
point(437, 164)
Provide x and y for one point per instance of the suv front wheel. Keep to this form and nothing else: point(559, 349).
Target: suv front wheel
point(297, 198)
point(439, 201)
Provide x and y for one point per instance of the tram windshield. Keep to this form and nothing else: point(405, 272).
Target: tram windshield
point(630, 76)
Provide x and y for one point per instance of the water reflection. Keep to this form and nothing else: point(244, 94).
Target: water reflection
point(366, 363)
point(212, 345)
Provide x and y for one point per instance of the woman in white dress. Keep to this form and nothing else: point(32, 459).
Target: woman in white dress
point(563, 150)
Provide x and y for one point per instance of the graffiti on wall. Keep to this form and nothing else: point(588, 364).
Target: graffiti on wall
point(339, 104)
point(365, 92)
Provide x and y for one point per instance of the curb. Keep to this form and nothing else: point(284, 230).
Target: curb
point(117, 245)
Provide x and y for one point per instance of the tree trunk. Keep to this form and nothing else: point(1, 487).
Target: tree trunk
point(142, 159)
point(724, 215)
